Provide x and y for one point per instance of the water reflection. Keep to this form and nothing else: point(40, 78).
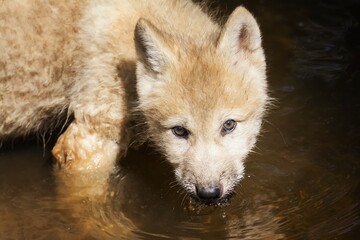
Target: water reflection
point(302, 182)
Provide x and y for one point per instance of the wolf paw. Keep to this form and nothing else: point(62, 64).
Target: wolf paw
point(80, 149)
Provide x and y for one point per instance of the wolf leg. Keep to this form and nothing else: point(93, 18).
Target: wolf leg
point(97, 137)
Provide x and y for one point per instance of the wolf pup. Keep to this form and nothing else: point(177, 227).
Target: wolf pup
point(201, 87)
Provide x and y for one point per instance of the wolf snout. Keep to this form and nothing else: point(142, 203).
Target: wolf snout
point(210, 193)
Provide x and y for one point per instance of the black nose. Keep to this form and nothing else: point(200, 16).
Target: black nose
point(208, 193)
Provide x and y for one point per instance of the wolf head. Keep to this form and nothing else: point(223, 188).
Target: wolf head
point(204, 102)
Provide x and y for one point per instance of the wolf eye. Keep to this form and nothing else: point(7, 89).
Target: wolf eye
point(228, 126)
point(180, 132)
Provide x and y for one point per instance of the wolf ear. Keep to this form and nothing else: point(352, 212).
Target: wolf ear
point(240, 33)
point(152, 47)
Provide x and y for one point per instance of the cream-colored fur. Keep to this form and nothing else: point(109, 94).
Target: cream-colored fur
point(59, 58)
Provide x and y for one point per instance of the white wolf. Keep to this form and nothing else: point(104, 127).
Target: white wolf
point(201, 87)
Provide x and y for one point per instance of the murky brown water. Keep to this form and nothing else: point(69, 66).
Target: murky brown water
point(303, 182)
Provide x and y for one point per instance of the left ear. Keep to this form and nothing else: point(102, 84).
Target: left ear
point(154, 49)
point(241, 33)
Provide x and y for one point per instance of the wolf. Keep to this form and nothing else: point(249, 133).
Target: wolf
point(200, 86)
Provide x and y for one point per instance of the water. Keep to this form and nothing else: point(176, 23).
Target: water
point(302, 182)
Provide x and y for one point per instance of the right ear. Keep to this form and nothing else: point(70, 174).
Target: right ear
point(153, 48)
point(240, 34)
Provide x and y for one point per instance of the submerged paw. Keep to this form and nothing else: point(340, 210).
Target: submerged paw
point(80, 149)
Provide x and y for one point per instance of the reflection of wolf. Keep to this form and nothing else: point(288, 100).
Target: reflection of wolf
point(201, 88)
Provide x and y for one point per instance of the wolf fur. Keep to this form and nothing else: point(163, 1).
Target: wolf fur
point(62, 58)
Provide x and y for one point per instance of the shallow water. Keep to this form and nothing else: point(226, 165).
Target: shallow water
point(302, 182)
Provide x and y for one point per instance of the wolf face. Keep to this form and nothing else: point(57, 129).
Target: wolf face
point(203, 100)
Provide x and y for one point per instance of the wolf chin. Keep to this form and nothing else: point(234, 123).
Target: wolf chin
point(200, 87)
